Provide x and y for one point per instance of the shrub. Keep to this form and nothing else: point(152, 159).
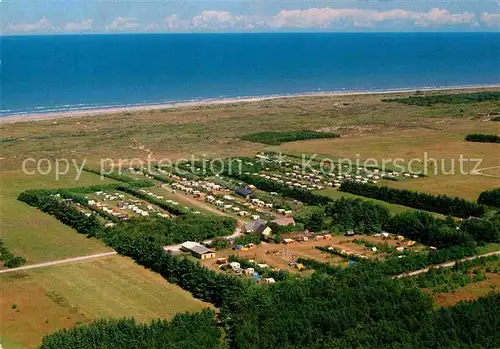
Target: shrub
point(483, 138)
point(15, 262)
point(247, 239)
point(276, 138)
point(219, 243)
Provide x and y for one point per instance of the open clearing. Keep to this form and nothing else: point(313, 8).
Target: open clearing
point(51, 298)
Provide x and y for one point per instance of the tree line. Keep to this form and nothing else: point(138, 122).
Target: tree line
point(434, 203)
point(483, 138)
point(490, 197)
point(193, 331)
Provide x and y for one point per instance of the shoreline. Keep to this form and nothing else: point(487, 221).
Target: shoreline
point(34, 117)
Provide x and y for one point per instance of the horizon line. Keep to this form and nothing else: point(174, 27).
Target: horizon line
point(254, 32)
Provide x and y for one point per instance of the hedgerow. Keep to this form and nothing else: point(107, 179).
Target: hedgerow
point(434, 203)
point(276, 138)
point(456, 98)
point(483, 138)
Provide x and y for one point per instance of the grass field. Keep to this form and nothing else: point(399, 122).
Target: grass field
point(50, 298)
point(36, 236)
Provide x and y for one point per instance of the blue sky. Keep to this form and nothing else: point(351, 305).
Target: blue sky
point(21, 17)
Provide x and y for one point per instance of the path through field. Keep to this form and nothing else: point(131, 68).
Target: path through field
point(62, 261)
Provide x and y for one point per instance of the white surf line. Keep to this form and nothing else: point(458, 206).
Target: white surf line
point(62, 261)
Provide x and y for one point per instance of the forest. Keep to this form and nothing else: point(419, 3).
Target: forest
point(190, 331)
point(483, 138)
point(434, 203)
point(455, 98)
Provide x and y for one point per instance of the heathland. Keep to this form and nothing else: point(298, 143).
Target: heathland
point(369, 128)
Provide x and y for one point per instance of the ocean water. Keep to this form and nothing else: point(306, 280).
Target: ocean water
point(42, 74)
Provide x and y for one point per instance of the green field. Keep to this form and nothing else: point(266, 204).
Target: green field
point(36, 236)
point(50, 298)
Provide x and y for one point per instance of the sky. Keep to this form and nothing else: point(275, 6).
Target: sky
point(28, 17)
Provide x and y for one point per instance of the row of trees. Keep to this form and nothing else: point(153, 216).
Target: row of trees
point(490, 197)
point(190, 331)
point(483, 138)
point(434, 203)
point(173, 231)
point(65, 212)
point(360, 215)
point(299, 194)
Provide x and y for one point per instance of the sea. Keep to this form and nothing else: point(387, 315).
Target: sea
point(56, 73)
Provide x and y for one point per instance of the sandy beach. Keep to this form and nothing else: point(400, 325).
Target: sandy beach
point(91, 112)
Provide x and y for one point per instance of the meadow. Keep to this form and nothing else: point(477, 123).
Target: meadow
point(40, 301)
